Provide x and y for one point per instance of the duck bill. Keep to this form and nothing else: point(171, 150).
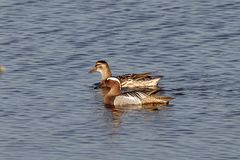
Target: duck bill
point(94, 69)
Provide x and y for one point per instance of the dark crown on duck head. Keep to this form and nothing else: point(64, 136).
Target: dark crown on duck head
point(101, 61)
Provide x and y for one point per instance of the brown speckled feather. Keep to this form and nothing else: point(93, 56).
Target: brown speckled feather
point(137, 77)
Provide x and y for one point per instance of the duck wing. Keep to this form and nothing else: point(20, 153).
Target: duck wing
point(140, 76)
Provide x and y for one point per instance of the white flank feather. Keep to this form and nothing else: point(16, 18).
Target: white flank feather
point(130, 98)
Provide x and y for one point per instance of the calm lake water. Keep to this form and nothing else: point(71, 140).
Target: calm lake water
point(49, 108)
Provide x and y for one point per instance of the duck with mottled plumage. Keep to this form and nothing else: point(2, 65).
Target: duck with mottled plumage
point(127, 80)
point(114, 97)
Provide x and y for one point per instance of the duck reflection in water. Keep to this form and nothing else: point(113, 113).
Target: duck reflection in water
point(115, 116)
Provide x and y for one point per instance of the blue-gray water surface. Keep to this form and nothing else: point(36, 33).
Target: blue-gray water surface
point(49, 108)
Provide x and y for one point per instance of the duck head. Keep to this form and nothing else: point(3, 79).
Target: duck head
point(113, 82)
point(103, 68)
point(114, 85)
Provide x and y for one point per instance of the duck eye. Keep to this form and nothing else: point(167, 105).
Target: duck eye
point(98, 65)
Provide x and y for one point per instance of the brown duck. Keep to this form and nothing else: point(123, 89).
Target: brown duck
point(115, 98)
point(127, 80)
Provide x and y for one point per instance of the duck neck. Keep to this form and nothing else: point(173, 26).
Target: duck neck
point(110, 96)
point(106, 73)
point(114, 91)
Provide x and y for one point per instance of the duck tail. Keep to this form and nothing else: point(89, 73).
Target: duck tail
point(167, 98)
point(154, 82)
point(164, 99)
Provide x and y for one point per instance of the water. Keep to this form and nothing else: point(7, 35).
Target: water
point(49, 109)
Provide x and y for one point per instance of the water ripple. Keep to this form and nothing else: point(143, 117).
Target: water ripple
point(50, 109)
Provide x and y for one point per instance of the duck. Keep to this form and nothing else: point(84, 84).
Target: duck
point(2, 69)
point(115, 97)
point(127, 80)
